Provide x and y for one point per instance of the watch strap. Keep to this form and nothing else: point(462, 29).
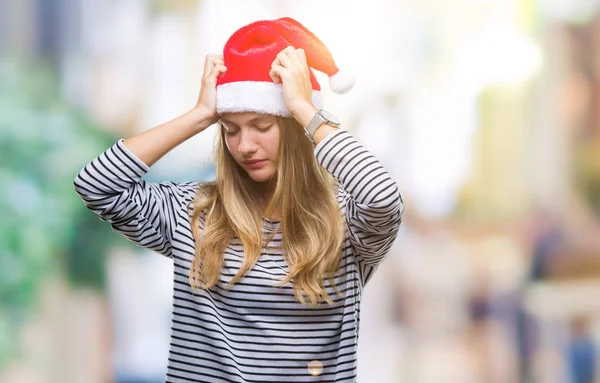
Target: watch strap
point(313, 125)
point(318, 120)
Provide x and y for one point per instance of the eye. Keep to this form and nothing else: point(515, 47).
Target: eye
point(264, 128)
point(229, 131)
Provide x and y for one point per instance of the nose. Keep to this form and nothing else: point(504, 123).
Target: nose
point(247, 144)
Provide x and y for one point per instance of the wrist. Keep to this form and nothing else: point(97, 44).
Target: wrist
point(304, 114)
point(200, 118)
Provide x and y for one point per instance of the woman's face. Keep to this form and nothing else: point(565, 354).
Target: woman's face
point(253, 141)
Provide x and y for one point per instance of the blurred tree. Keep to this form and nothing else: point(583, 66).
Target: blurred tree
point(45, 229)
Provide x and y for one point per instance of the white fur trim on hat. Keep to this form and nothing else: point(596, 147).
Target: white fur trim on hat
point(256, 96)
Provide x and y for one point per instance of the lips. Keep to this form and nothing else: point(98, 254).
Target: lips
point(254, 164)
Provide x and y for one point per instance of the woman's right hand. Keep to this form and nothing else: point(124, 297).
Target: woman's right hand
point(214, 66)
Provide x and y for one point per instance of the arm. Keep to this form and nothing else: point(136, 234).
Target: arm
point(370, 198)
point(112, 187)
point(145, 213)
point(151, 145)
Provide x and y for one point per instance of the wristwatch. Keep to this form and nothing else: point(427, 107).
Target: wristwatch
point(321, 117)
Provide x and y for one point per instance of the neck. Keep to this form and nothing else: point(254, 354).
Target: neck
point(265, 193)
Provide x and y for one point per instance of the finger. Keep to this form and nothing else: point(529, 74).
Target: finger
point(285, 58)
point(295, 59)
point(277, 61)
point(216, 71)
point(289, 49)
point(215, 57)
point(210, 61)
point(302, 55)
point(276, 73)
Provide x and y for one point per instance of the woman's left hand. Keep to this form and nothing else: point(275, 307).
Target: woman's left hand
point(291, 70)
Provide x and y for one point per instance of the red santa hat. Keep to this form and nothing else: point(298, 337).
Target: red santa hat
point(248, 54)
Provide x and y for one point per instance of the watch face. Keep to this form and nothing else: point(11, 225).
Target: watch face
point(329, 117)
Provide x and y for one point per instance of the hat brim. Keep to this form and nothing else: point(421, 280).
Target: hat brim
point(256, 96)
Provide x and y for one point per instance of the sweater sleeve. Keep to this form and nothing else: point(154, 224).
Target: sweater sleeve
point(145, 213)
point(369, 197)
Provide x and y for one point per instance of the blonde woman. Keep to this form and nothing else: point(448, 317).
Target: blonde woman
point(271, 257)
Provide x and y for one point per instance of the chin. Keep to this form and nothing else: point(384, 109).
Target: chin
point(261, 177)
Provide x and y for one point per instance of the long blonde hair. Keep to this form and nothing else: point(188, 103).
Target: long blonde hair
point(311, 223)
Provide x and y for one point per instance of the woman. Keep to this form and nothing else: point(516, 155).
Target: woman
point(270, 258)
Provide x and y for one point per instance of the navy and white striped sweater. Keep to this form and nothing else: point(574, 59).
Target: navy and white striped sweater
point(256, 330)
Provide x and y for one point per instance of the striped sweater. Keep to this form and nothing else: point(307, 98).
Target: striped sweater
point(254, 331)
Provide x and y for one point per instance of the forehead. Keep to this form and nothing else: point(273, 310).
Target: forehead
point(246, 118)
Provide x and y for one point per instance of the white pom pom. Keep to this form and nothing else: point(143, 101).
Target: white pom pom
point(341, 82)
